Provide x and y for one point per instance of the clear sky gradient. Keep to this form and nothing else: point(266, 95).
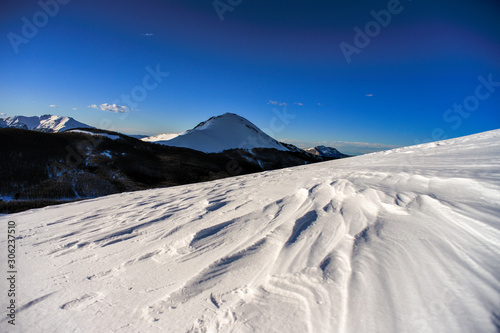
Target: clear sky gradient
point(429, 71)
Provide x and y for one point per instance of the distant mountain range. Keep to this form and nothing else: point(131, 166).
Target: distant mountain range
point(46, 123)
point(224, 132)
point(50, 159)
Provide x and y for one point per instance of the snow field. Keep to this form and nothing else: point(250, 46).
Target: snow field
point(398, 241)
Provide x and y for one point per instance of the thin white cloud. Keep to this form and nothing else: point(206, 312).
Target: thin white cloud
point(369, 95)
point(115, 108)
point(299, 104)
point(320, 104)
point(277, 103)
point(148, 34)
point(54, 106)
point(75, 109)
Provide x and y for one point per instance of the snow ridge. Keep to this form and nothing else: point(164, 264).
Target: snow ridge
point(46, 123)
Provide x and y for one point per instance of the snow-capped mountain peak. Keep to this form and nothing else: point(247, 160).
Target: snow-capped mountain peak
point(46, 123)
point(227, 131)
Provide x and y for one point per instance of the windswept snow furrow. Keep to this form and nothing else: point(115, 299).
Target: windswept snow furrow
point(495, 318)
point(201, 235)
point(81, 302)
point(301, 225)
point(444, 246)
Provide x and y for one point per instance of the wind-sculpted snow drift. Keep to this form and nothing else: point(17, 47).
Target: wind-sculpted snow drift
point(398, 241)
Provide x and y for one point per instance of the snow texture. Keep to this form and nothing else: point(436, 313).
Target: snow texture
point(228, 131)
point(405, 240)
point(46, 123)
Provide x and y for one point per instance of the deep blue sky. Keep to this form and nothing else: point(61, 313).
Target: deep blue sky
point(396, 91)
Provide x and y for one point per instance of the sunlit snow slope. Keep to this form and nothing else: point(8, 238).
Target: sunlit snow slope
point(406, 240)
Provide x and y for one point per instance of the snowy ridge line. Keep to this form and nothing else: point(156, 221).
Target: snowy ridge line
point(46, 123)
point(352, 245)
